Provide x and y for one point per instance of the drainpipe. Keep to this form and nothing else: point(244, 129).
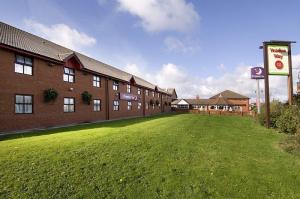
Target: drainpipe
point(107, 99)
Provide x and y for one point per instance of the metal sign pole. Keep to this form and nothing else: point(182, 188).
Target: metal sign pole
point(258, 97)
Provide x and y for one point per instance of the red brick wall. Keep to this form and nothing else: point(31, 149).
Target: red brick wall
point(52, 114)
point(244, 103)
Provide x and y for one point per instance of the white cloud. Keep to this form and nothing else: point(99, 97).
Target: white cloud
point(162, 15)
point(174, 44)
point(61, 34)
point(188, 86)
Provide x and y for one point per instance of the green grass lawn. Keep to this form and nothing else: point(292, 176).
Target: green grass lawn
point(171, 156)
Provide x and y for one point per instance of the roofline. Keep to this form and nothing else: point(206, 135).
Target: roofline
point(8, 47)
point(25, 52)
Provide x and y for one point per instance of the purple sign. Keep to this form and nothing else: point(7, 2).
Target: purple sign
point(128, 97)
point(257, 73)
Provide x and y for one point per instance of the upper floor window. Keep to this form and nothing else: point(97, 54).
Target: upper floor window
point(139, 91)
point(69, 104)
point(23, 65)
point(147, 93)
point(157, 94)
point(128, 88)
point(115, 85)
point(69, 74)
point(153, 94)
point(129, 106)
point(96, 81)
point(116, 105)
point(97, 105)
point(23, 104)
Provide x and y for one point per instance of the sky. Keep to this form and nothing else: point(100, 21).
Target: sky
point(199, 47)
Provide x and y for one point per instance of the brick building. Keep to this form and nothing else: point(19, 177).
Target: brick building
point(224, 101)
point(31, 66)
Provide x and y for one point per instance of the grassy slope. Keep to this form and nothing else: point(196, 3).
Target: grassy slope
point(182, 156)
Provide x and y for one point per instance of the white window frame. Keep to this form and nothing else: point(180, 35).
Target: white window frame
point(23, 65)
point(69, 106)
point(69, 75)
point(97, 105)
point(128, 88)
point(116, 105)
point(96, 81)
point(115, 85)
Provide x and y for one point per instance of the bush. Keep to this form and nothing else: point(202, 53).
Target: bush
point(86, 97)
point(288, 121)
point(157, 102)
point(276, 109)
point(50, 95)
point(151, 102)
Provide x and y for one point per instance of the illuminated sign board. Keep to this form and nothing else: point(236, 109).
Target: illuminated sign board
point(128, 97)
point(257, 73)
point(278, 59)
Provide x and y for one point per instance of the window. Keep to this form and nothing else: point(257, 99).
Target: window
point(146, 106)
point(139, 91)
point(23, 104)
point(147, 93)
point(128, 88)
point(157, 94)
point(129, 106)
point(116, 105)
point(153, 106)
point(96, 81)
point(97, 105)
point(139, 105)
point(115, 85)
point(23, 65)
point(69, 74)
point(69, 104)
point(153, 94)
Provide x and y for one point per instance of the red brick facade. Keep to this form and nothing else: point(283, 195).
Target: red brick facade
point(48, 114)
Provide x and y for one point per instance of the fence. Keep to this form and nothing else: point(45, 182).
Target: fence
point(216, 112)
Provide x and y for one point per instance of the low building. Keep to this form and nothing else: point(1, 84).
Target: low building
point(224, 101)
point(31, 67)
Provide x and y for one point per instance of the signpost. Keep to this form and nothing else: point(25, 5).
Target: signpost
point(257, 73)
point(277, 61)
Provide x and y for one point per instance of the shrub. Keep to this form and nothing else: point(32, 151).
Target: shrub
point(276, 109)
point(86, 97)
point(288, 121)
point(296, 99)
point(157, 102)
point(151, 102)
point(50, 95)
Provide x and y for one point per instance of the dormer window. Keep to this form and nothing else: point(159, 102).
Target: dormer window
point(69, 75)
point(23, 65)
point(153, 94)
point(139, 91)
point(147, 93)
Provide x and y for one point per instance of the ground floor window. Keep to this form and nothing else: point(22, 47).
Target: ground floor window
point(153, 106)
point(69, 104)
point(129, 106)
point(146, 106)
point(116, 105)
point(97, 105)
point(139, 105)
point(23, 104)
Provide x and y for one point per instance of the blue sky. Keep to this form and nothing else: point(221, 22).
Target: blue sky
point(199, 47)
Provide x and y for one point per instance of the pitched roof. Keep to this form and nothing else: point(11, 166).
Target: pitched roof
point(22, 40)
point(227, 94)
point(220, 100)
point(198, 101)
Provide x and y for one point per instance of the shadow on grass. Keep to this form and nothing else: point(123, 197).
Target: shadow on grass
point(87, 126)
